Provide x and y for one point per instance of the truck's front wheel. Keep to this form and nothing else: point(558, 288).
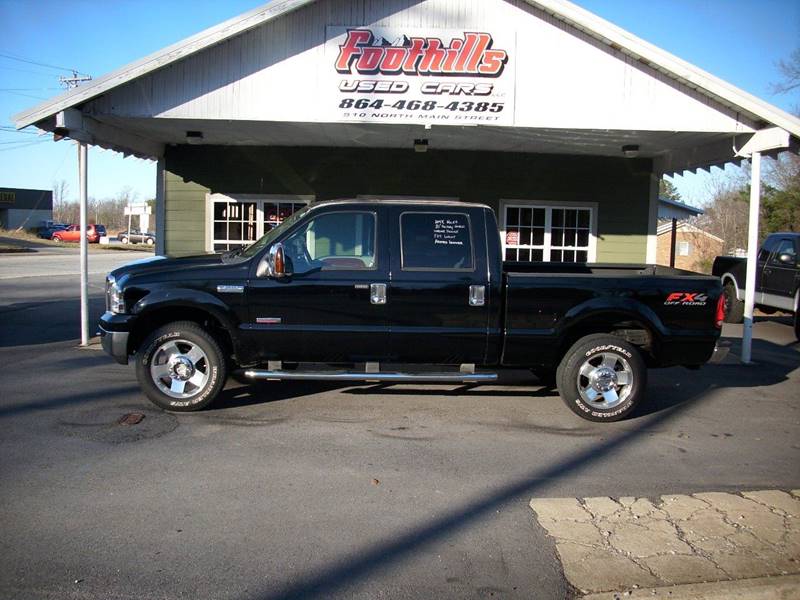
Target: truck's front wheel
point(180, 367)
point(602, 378)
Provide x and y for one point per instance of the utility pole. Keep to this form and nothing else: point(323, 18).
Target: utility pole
point(74, 81)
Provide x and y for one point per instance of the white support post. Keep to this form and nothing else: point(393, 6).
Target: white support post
point(752, 257)
point(161, 211)
point(82, 184)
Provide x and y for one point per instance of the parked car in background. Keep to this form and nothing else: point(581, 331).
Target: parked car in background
point(73, 233)
point(48, 228)
point(134, 236)
point(777, 278)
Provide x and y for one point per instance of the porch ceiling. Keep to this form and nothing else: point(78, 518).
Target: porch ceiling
point(671, 151)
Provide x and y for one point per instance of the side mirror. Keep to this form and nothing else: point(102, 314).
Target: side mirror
point(274, 264)
point(787, 259)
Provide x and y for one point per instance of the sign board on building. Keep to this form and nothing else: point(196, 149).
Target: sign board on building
point(394, 75)
point(7, 197)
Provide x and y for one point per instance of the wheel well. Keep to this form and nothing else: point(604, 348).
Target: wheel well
point(631, 330)
point(152, 321)
point(728, 278)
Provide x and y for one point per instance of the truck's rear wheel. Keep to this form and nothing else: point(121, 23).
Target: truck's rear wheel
point(602, 378)
point(180, 367)
point(734, 309)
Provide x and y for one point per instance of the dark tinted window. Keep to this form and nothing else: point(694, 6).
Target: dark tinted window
point(437, 241)
point(785, 246)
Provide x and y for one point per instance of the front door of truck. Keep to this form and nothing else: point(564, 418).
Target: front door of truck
point(438, 296)
point(778, 277)
point(331, 308)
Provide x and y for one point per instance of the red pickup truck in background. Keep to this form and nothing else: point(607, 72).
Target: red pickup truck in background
point(73, 233)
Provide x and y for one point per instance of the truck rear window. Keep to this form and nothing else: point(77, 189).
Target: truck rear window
point(436, 241)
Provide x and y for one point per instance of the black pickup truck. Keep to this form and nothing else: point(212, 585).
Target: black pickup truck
point(400, 291)
point(777, 278)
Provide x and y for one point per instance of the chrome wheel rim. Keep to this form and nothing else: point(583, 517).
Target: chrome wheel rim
point(180, 369)
point(605, 380)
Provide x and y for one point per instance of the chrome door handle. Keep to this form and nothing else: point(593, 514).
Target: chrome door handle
point(377, 293)
point(477, 295)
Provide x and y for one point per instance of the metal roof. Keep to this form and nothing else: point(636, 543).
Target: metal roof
point(615, 37)
point(681, 205)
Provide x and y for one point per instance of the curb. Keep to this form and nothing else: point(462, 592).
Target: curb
point(781, 587)
point(16, 250)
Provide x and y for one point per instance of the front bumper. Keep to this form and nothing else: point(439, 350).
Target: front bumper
point(114, 335)
point(115, 343)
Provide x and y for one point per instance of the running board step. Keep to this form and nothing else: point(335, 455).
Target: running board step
point(362, 376)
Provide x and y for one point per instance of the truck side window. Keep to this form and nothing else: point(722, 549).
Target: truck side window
point(334, 241)
point(436, 241)
point(784, 247)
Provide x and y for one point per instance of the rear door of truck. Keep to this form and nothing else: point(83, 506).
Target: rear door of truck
point(438, 295)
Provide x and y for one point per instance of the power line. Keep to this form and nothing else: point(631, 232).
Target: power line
point(17, 142)
point(34, 62)
point(24, 145)
point(26, 95)
point(12, 130)
point(40, 73)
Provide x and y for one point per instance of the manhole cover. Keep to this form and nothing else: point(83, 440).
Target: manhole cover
point(130, 419)
point(106, 425)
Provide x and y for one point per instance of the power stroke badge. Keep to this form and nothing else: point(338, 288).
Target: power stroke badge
point(419, 76)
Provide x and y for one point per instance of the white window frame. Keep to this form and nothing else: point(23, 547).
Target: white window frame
point(592, 207)
point(259, 199)
point(684, 248)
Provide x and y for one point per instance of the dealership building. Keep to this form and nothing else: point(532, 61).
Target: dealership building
point(561, 121)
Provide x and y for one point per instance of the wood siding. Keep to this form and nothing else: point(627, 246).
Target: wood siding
point(620, 187)
point(278, 72)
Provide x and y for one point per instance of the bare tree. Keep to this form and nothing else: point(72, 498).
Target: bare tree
point(790, 71)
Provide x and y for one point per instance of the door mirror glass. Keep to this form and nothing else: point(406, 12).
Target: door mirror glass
point(786, 259)
point(274, 264)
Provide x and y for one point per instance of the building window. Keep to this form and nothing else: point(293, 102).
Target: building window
point(684, 249)
point(549, 233)
point(237, 222)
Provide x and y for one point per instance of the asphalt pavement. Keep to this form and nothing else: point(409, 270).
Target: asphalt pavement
point(317, 490)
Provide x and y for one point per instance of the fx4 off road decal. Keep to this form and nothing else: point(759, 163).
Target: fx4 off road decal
point(686, 299)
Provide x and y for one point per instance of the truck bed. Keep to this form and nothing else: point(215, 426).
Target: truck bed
point(601, 269)
point(544, 303)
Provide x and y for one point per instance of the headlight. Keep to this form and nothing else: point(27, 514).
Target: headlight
point(115, 301)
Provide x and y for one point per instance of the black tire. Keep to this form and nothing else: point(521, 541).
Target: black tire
point(734, 309)
point(149, 241)
point(623, 359)
point(185, 335)
point(123, 240)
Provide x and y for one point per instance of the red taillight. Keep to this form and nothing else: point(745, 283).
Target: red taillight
point(720, 311)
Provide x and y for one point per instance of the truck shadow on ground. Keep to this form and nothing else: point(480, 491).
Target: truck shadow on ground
point(667, 388)
point(339, 575)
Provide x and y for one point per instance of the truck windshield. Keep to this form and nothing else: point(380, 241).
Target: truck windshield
point(272, 234)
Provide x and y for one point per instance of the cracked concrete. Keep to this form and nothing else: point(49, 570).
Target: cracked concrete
point(607, 545)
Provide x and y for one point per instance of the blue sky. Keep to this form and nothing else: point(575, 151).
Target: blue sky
point(737, 40)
